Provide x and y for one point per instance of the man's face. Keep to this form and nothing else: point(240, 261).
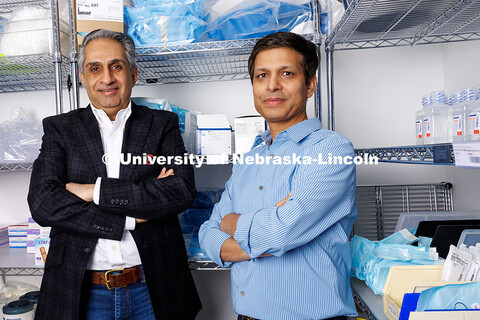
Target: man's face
point(279, 89)
point(107, 77)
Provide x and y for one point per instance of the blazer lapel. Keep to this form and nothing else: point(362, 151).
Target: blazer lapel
point(134, 137)
point(87, 135)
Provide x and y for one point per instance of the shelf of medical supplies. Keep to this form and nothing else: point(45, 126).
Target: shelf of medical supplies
point(203, 61)
point(370, 303)
point(438, 154)
point(17, 262)
point(30, 72)
point(374, 23)
point(15, 167)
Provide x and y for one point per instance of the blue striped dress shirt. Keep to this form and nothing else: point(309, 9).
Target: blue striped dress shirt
point(307, 276)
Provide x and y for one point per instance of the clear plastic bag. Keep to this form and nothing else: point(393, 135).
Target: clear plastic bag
point(14, 289)
point(451, 297)
point(258, 18)
point(29, 30)
point(170, 22)
point(20, 137)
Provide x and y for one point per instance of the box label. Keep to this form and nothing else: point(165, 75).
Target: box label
point(111, 10)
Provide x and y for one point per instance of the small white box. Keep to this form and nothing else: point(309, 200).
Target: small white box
point(246, 129)
point(214, 135)
point(41, 251)
point(17, 242)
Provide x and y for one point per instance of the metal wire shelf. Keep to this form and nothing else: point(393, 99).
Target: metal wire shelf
point(427, 154)
point(194, 62)
point(204, 265)
point(202, 61)
point(15, 167)
point(376, 23)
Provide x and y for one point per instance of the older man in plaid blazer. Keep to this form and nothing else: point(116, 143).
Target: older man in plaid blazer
point(116, 249)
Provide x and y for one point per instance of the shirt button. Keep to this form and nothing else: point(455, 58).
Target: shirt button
point(114, 248)
point(260, 187)
point(242, 293)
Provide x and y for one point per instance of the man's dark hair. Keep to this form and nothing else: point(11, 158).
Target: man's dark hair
point(306, 48)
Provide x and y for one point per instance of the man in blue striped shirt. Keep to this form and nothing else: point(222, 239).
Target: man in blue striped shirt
point(283, 221)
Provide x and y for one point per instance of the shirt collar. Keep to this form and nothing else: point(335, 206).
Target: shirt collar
point(103, 119)
point(296, 132)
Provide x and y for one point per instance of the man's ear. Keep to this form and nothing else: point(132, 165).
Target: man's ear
point(82, 78)
point(311, 86)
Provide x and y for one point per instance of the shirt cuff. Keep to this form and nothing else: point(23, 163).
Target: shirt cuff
point(130, 223)
point(242, 233)
point(96, 191)
point(213, 246)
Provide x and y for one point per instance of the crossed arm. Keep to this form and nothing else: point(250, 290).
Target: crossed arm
point(85, 191)
point(231, 250)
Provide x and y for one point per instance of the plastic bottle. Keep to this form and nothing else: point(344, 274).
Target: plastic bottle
point(459, 114)
point(449, 103)
point(419, 116)
point(435, 119)
point(473, 122)
point(457, 101)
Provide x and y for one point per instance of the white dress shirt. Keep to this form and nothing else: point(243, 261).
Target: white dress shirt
point(112, 254)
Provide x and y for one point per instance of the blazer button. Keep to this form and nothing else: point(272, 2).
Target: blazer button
point(87, 250)
point(112, 201)
point(121, 202)
point(96, 226)
point(125, 202)
point(102, 228)
point(110, 229)
point(117, 201)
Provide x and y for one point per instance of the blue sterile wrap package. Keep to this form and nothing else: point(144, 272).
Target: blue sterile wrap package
point(465, 296)
point(371, 261)
point(164, 23)
point(192, 218)
point(196, 6)
point(257, 18)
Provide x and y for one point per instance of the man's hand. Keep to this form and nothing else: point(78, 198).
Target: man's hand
point(83, 191)
point(229, 223)
point(283, 201)
point(164, 173)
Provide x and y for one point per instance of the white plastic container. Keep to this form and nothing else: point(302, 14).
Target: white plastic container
point(459, 114)
point(419, 116)
point(18, 310)
point(436, 119)
point(473, 122)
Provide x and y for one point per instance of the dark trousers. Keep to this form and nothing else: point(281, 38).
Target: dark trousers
point(240, 317)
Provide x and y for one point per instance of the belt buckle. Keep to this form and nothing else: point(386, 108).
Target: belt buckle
point(107, 282)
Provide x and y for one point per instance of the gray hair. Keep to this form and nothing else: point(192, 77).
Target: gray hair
point(125, 40)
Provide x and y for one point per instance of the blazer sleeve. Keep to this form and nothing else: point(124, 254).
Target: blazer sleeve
point(151, 198)
point(52, 205)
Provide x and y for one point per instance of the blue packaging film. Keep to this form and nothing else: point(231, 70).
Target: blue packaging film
point(192, 218)
point(255, 19)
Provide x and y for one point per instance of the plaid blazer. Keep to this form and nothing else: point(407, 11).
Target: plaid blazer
point(72, 152)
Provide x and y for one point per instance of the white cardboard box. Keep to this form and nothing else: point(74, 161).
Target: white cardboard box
point(41, 251)
point(214, 135)
point(246, 129)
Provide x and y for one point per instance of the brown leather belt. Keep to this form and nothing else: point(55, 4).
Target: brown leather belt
point(116, 278)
